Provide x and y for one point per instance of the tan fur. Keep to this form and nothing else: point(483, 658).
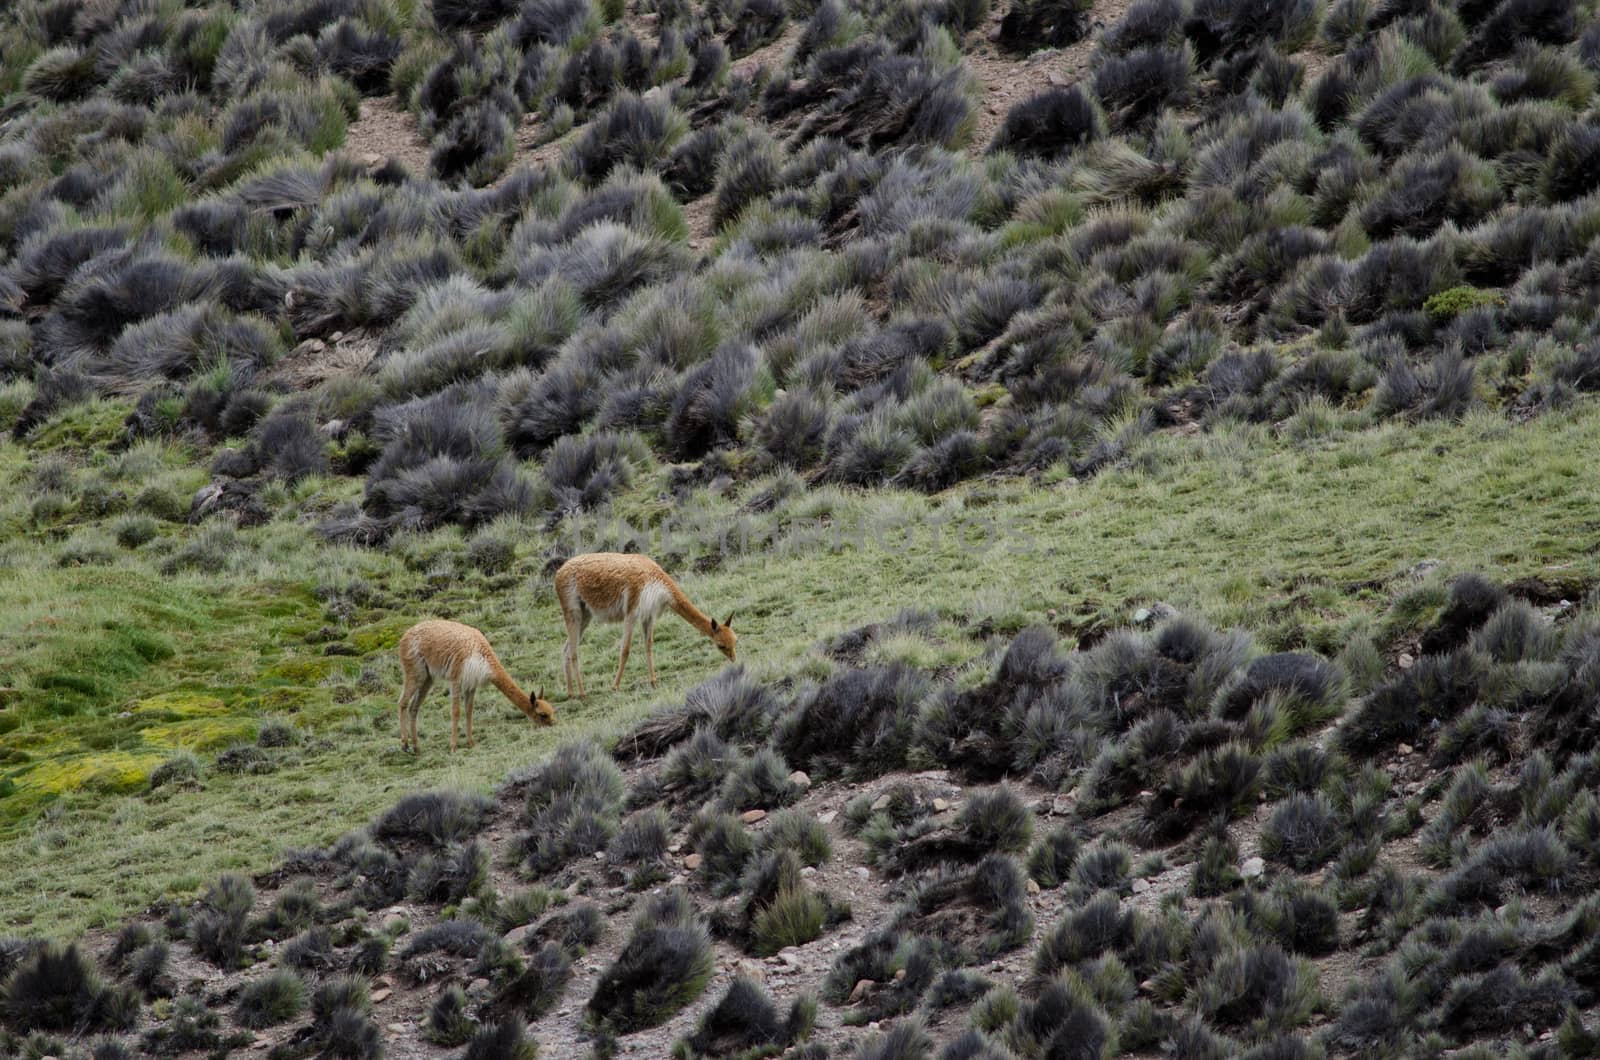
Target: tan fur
point(618, 587)
point(461, 655)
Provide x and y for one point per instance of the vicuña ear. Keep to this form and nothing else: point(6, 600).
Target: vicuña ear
point(714, 626)
point(729, 622)
point(541, 691)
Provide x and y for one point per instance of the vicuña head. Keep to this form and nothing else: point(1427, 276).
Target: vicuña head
point(437, 649)
point(619, 587)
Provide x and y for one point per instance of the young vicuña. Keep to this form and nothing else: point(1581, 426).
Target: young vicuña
point(459, 654)
point(618, 587)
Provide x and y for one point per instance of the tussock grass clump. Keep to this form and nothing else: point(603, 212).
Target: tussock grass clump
point(276, 998)
point(745, 1022)
point(664, 965)
point(438, 817)
point(1303, 832)
point(1033, 24)
point(218, 928)
point(573, 806)
point(505, 1040)
point(448, 1022)
point(539, 985)
point(58, 989)
point(856, 723)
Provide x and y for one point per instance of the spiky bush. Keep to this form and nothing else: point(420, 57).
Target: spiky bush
point(856, 723)
point(744, 1022)
point(1033, 24)
point(277, 997)
point(665, 964)
point(448, 1022)
point(57, 989)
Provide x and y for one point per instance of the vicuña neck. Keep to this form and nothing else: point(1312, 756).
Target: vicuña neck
point(508, 688)
point(691, 614)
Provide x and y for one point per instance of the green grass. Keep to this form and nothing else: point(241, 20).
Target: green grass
point(1302, 544)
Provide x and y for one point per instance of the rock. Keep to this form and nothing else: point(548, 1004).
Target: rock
point(1050, 612)
point(899, 975)
point(380, 996)
point(1147, 987)
point(791, 960)
point(514, 938)
point(1405, 660)
point(1141, 616)
point(880, 803)
point(940, 805)
point(752, 816)
point(599, 855)
point(862, 988)
point(1250, 868)
point(673, 848)
point(397, 1028)
point(863, 872)
point(125, 714)
point(1061, 805)
point(1421, 569)
point(1033, 886)
point(827, 816)
point(1140, 886)
point(1405, 748)
point(692, 862)
point(478, 986)
point(799, 779)
point(372, 160)
point(336, 336)
point(808, 870)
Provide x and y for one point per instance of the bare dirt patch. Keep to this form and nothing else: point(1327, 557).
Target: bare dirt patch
point(315, 361)
point(383, 131)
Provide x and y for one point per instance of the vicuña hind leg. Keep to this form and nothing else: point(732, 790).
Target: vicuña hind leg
point(455, 715)
point(467, 697)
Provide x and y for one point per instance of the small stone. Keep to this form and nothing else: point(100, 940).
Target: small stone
point(380, 996)
point(516, 935)
point(1057, 78)
point(880, 803)
point(1147, 987)
point(336, 336)
point(125, 714)
point(314, 345)
point(1250, 868)
point(862, 988)
point(791, 960)
point(863, 872)
point(940, 805)
point(478, 986)
point(752, 816)
point(1140, 886)
point(1061, 805)
point(899, 975)
point(1261, 796)
point(808, 870)
point(1146, 793)
point(1141, 616)
point(1050, 613)
point(1405, 748)
point(692, 862)
point(1405, 660)
point(1033, 886)
point(673, 848)
point(827, 816)
point(371, 159)
point(799, 779)
point(397, 1028)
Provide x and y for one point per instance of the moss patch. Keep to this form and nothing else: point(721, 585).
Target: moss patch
point(182, 705)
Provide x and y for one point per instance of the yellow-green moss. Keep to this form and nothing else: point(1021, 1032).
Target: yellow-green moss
point(199, 735)
point(379, 636)
point(301, 671)
point(182, 705)
point(110, 771)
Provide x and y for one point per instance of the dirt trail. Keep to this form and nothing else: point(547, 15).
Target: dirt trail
point(384, 131)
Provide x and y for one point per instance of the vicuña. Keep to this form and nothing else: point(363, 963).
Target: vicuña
point(449, 651)
point(617, 587)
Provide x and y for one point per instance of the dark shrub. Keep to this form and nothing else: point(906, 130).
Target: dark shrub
point(665, 964)
point(1034, 24)
point(1050, 125)
point(1133, 88)
point(856, 723)
point(58, 989)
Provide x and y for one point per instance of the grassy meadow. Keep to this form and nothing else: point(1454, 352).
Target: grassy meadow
point(113, 668)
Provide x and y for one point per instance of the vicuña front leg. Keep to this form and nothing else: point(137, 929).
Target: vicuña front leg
point(650, 649)
point(627, 642)
point(469, 697)
point(455, 715)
